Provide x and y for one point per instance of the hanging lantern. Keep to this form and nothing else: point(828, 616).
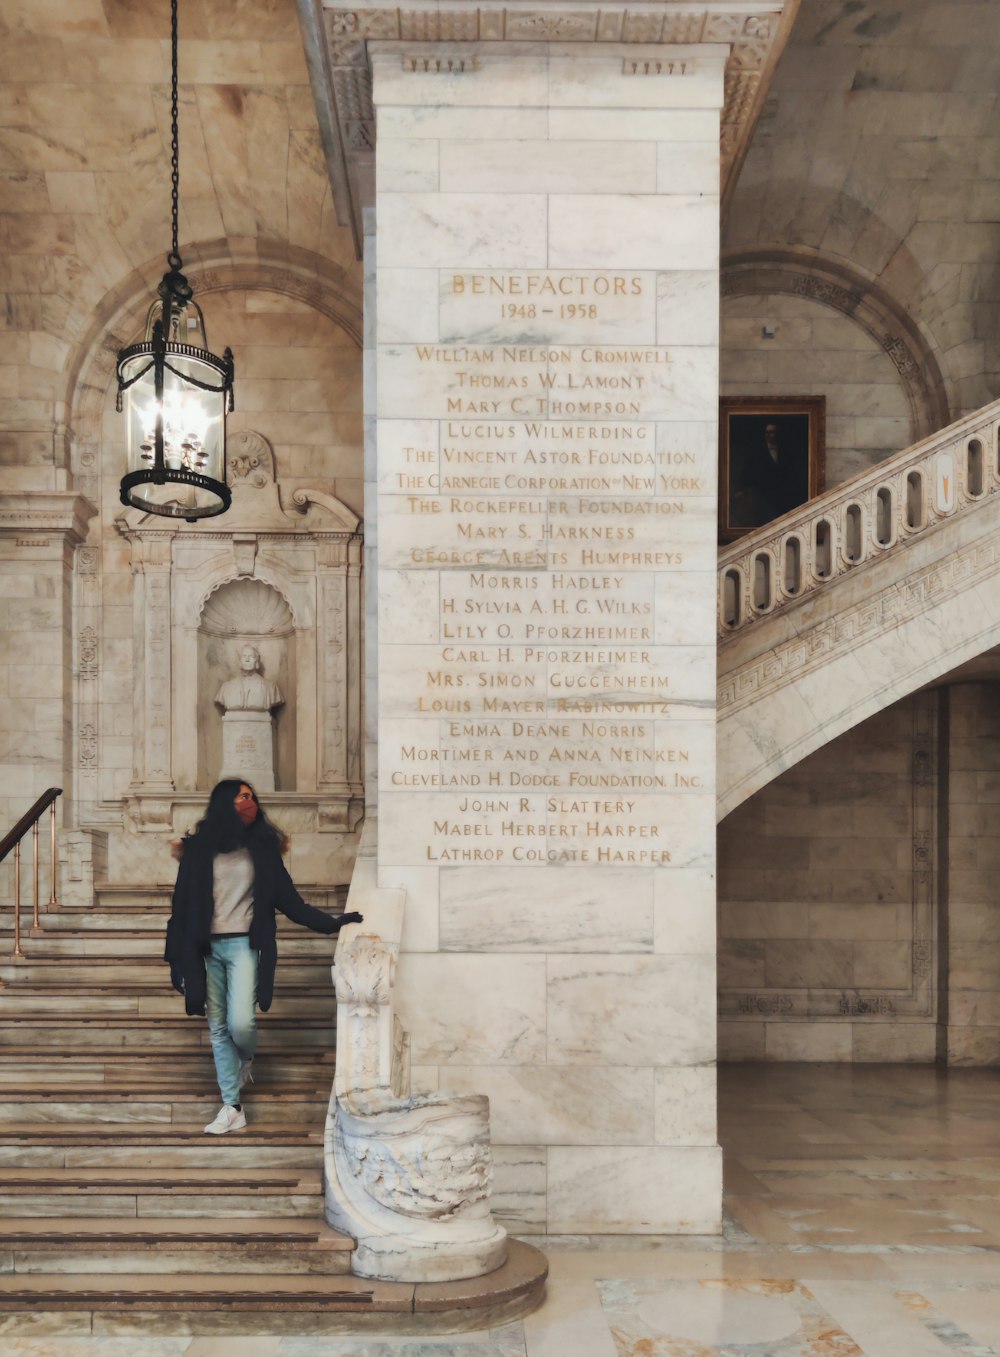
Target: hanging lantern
point(175, 393)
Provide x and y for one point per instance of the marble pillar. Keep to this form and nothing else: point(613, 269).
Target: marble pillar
point(547, 244)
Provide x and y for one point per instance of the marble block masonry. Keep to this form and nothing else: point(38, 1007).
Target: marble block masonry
point(545, 402)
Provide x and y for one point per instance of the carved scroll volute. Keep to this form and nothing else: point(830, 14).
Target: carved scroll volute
point(365, 973)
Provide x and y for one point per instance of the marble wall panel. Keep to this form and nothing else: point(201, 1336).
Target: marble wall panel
point(411, 611)
point(678, 232)
point(684, 168)
point(563, 755)
point(612, 1190)
point(484, 1010)
point(481, 123)
point(462, 230)
point(548, 307)
point(601, 83)
point(816, 1040)
point(684, 911)
point(562, 1105)
point(687, 307)
point(547, 382)
point(518, 1198)
point(635, 1010)
point(527, 531)
point(406, 165)
point(686, 1112)
point(421, 925)
point(549, 167)
point(536, 910)
point(406, 306)
point(681, 615)
point(667, 125)
point(472, 826)
point(571, 675)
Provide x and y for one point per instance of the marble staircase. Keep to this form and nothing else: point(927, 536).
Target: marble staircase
point(117, 1212)
point(876, 588)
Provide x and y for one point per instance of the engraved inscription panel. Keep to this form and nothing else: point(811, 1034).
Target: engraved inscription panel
point(546, 690)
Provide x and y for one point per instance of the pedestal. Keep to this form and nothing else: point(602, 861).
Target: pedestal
point(248, 748)
point(547, 387)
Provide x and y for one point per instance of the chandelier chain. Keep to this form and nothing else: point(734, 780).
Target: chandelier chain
point(175, 170)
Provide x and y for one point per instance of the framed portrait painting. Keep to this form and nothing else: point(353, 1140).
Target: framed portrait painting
point(772, 458)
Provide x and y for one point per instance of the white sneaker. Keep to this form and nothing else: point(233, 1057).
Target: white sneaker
point(246, 1072)
point(229, 1119)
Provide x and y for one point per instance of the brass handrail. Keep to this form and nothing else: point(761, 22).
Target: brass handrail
point(12, 840)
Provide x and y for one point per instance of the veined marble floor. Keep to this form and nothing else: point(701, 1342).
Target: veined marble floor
point(862, 1221)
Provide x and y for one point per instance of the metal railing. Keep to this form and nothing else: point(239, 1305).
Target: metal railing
point(12, 841)
point(874, 514)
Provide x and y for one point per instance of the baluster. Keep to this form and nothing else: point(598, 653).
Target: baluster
point(793, 566)
point(17, 953)
point(34, 851)
point(53, 902)
point(823, 549)
point(762, 582)
point(852, 534)
point(974, 468)
point(914, 500)
point(731, 600)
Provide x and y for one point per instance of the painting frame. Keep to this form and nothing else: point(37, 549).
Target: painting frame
point(772, 458)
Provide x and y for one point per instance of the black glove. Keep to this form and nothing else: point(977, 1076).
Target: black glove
point(352, 917)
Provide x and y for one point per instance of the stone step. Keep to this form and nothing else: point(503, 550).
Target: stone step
point(125, 895)
point(127, 919)
point(108, 1066)
point(143, 1145)
point(177, 1245)
point(214, 1192)
point(78, 942)
point(134, 1033)
point(119, 1107)
point(246, 1303)
point(143, 971)
point(186, 1085)
point(28, 1002)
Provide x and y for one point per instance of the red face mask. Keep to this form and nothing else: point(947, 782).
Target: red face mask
point(246, 808)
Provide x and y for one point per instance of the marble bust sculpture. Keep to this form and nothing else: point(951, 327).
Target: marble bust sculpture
point(250, 690)
point(247, 702)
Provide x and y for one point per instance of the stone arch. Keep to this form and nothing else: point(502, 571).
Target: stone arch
point(806, 273)
point(213, 267)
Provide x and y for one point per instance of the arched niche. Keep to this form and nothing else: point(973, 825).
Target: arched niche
point(833, 284)
point(281, 571)
point(239, 613)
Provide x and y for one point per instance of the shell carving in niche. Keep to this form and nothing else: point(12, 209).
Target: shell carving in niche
point(247, 608)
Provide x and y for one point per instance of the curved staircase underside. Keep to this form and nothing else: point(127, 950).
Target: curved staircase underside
point(920, 597)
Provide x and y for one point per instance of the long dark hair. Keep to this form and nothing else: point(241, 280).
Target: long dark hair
point(220, 830)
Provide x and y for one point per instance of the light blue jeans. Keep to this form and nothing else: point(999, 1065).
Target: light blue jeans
point(231, 1006)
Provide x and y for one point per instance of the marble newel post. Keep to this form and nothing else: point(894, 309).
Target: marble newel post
point(547, 327)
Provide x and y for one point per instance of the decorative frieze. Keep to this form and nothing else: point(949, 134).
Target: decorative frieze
point(753, 42)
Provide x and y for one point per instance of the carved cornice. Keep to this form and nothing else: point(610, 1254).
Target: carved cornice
point(46, 511)
point(337, 34)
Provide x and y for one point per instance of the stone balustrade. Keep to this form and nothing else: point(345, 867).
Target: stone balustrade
point(872, 515)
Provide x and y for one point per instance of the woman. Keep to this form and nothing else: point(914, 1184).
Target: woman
point(221, 938)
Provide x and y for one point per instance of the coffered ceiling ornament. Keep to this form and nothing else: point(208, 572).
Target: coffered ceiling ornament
point(337, 34)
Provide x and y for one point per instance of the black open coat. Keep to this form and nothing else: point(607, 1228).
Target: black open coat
point(189, 928)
